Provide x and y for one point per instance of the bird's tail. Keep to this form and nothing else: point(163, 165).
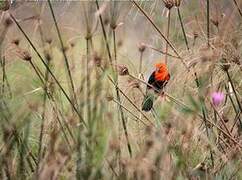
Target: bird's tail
point(147, 103)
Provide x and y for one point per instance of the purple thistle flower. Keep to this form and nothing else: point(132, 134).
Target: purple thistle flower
point(217, 98)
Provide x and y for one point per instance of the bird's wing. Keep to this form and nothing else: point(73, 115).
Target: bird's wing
point(151, 80)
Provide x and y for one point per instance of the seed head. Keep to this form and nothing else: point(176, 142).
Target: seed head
point(122, 70)
point(168, 4)
point(109, 97)
point(65, 48)
point(16, 42)
point(141, 47)
point(97, 59)
point(72, 44)
point(24, 55)
point(215, 22)
point(49, 40)
point(47, 55)
point(225, 65)
point(106, 21)
point(177, 3)
point(5, 5)
point(134, 84)
point(8, 22)
point(225, 118)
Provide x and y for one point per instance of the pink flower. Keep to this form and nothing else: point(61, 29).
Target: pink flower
point(217, 98)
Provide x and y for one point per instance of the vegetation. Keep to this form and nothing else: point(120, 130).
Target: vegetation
point(74, 75)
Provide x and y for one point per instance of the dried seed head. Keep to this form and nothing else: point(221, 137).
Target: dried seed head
point(65, 48)
point(149, 143)
point(215, 22)
point(49, 40)
point(134, 84)
point(113, 25)
point(225, 65)
point(109, 97)
point(97, 59)
point(5, 5)
point(225, 118)
point(72, 44)
point(168, 127)
point(88, 36)
point(231, 54)
point(8, 22)
point(47, 56)
point(177, 3)
point(168, 4)
point(195, 34)
point(122, 70)
point(15, 41)
point(24, 55)
point(141, 47)
point(106, 21)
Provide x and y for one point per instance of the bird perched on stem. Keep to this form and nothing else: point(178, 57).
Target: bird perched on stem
point(157, 81)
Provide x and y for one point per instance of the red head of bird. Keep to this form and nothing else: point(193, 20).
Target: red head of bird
point(161, 72)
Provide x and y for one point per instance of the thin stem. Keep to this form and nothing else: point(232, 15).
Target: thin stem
point(104, 34)
point(130, 112)
point(167, 33)
point(43, 116)
point(182, 26)
point(208, 24)
point(203, 107)
point(43, 82)
point(119, 99)
point(238, 8)
point(160, 51)
point(140, 62)
point(88, 100)
point(235, 94)
point(64, 53)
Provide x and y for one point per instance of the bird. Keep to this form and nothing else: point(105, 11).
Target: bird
point(156, 83)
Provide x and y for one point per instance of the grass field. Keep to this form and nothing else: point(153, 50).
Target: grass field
point(74, 75)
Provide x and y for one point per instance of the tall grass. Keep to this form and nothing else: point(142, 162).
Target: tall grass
point(71, 92)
